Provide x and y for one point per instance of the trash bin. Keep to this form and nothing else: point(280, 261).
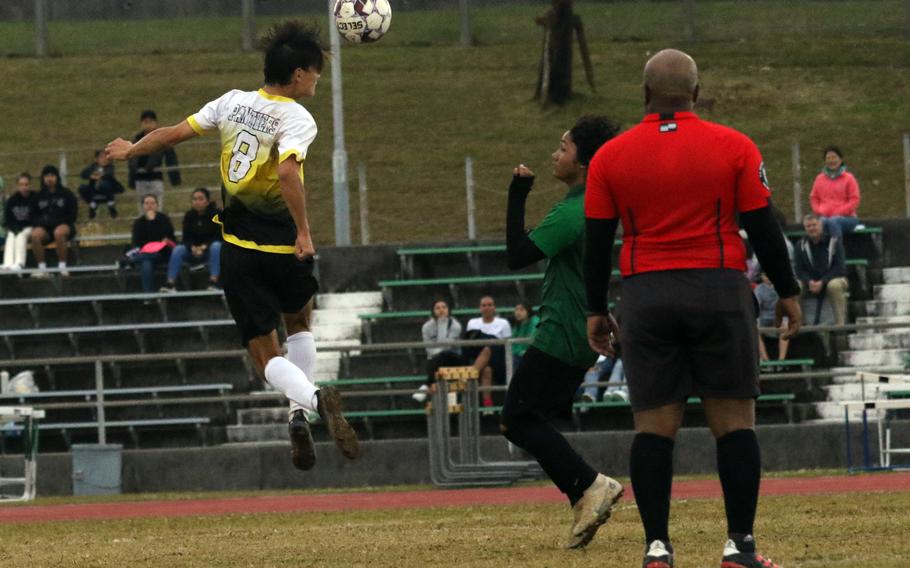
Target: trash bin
point(96, 469)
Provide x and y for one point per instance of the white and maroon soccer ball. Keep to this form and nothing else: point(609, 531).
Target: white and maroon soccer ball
point(362, 21)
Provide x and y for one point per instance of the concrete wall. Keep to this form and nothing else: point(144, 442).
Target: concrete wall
point(267, 466)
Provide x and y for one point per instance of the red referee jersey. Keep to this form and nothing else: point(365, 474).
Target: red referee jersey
point(677, 182)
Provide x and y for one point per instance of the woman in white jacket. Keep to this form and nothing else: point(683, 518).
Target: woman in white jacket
point(440, 327)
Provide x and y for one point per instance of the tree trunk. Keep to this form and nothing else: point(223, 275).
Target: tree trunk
point(559, 89)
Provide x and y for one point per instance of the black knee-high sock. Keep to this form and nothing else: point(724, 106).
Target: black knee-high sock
point(652, 480)
point(739, 468)
point(564, 466)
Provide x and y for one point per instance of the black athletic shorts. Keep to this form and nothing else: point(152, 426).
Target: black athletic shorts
point(543, 387)
point(260, 286)
point(688, 332)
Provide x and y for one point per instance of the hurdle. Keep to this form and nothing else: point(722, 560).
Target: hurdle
point(456, 393)
point(884, 409)
point(30, 417)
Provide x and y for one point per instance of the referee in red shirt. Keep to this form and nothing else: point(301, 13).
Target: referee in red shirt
point(678, 183)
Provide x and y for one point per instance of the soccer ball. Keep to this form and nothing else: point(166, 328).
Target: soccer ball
point(362, 21)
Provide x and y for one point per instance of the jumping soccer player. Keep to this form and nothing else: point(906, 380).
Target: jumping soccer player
point(550, 372)
point(267, 257)
point(678, 183)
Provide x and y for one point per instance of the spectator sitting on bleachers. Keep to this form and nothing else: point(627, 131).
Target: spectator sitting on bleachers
point(17, 220)
point(101, 186)
point(440, 327)
point(526, 321)
point(153, 240)
point(835, 194)
point(767, 298)
point(53, 216)
point(201, 241)
point(490, 361)
point(821, 269)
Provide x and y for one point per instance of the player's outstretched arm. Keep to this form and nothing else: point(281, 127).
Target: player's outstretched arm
point(153, 142)
point(294, 195)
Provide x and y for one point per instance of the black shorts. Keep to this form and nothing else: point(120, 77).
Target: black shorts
point(688, 332)
point(260, 286)
point(542, 387)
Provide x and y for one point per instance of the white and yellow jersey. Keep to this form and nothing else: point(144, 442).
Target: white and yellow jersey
point(258, 131)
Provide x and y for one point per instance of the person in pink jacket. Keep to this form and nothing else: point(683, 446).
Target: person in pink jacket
point(835, 195)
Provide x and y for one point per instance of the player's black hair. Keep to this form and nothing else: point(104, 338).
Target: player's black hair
point(153, 196)
point(834, 149)
point(589, 134)
point(25, 175)
point(204, 191)
point(148, 113)
point(290, 46)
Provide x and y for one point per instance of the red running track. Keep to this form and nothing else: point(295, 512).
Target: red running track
point(700, 489)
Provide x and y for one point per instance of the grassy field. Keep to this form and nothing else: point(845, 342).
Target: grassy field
point(416, 104)
point(819, 531)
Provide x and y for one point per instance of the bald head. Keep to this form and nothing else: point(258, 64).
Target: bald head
point(671, 80)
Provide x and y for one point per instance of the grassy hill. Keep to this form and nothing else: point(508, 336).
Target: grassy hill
point(416, 104)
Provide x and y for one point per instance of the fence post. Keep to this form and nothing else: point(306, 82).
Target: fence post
point(689, 19)
point(62, 166)
point(797, 185)
point(40, 28)
point(467, 36)
point(469, 186)
point(907, 170)
point(248, 12)
point(99, 401)
point(364, 205)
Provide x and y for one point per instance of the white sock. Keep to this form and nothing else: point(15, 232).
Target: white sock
point(61, 264)
point(42, 266)
point(292, 382)
point(302, 352)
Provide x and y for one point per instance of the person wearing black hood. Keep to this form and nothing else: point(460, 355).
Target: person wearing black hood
point(201, 241)
point(53, 216)
point(18, 223)
point(101, 186)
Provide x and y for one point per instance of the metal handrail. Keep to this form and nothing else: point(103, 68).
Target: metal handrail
point(98, 361)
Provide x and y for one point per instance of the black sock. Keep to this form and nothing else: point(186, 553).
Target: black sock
point(652, 479)
point(739, 468)
point(562, 464)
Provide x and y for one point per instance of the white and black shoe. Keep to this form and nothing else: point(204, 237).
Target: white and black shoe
point(742, 555)
point(303, 450)
point(658, 555)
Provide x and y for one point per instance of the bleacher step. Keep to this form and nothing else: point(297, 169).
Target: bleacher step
point(887, 308)
point(349, 300)
point(854, 391)
point(269, 415)
point(896, 275)
point(886, 340)
point(249, 433)
point(892, 292)
point(834, 412)
point(873, 357)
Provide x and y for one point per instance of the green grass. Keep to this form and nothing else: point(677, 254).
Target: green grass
point(416, 104)
point(818, 531)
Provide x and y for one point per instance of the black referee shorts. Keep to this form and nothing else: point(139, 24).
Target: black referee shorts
point(543, 388)
point(688, 332)
point(260, 286)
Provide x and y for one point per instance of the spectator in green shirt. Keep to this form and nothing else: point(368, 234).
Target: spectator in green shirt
point(525, 323)
point(544, 384)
